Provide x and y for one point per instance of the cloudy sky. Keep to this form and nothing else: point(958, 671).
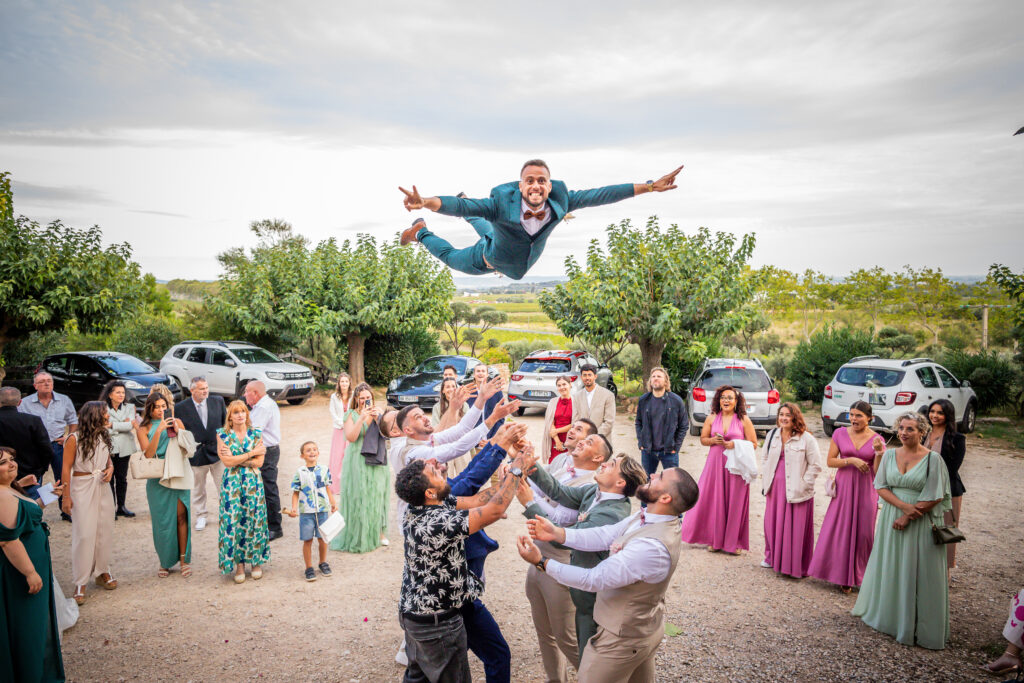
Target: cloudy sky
point(845, 135)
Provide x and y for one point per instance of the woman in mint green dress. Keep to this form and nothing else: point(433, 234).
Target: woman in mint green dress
point(364, 488)
point(905, 593)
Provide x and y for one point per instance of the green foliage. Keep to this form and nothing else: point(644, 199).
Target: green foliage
point(776, 365)
point(816, 361)
point(495, 355)
point(148, 336)
point(192, 289)
point(493, 343)
point(894, 341)
point(629, 360)
point(391, 355)
point(456, 324)
point(653, 287)
point(928, 297)
point(519, 349)
point(60, 278)
point(1012, 285)
point(472, 337)
point(995, 380)
point(869, 290)
point(158, 299)
point(31, 349)
point(681, 360)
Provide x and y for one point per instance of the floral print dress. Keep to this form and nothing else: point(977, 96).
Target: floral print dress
point(243, 509)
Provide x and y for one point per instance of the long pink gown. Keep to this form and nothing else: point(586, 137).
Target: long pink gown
point(788, 528)
point(848, 532)
point(720, 517)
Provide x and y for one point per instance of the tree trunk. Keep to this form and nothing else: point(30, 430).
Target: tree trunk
point(650, 352)
point(356, 345)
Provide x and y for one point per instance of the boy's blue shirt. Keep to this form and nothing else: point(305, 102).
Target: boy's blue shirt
point(467, 483)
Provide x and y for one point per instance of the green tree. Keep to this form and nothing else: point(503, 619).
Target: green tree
point(58, 278)
point(817, 359)
point(896, 342)
point(929, 297)
point(455, 321)
point(652, 286)
point(472, 337)
point(869, 290)
point(754, 324)
point(1013, 285)
point(814, 296)
point(456, 324)
point(776, 289)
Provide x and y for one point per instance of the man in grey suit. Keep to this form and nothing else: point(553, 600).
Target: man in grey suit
point(594, 403)
point(203, 415)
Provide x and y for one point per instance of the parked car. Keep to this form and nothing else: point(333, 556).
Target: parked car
point(81, 375)
point(422, 386)
point(748, 376)
point(533, 383)
point(229, 365)
point(893, 387)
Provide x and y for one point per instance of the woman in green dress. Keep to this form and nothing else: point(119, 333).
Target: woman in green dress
point(905, 593)
point(29, 639)
point(364, 488)
point(244, 537)
point(169, 509)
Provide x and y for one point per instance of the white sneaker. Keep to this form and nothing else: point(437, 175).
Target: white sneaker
point(385, 541)
point(401, 657)
point(200, 523)
point(766, 564)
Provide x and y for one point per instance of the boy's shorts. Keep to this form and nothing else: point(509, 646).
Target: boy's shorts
point(309, 524)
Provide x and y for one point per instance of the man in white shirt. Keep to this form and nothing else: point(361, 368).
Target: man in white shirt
point(265, 415)
point(594, 403)
point(630, 583)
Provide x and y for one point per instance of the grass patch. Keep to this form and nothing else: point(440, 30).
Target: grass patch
point(1011, 433)
point(553, 341)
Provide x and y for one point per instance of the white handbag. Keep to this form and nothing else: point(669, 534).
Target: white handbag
point(332, 527)
point(145, 468)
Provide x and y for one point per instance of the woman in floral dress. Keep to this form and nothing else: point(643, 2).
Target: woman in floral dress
point(244, 538)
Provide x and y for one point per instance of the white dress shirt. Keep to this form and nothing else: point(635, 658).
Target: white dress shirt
point(643, 559)
point(556, 512)
point(590, 396)
point(533, 225)
point(201, 411)
point(453, 442)
point(601, 497)
point(265, 415)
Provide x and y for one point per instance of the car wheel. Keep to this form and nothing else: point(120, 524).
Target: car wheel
point(185, 393)
point(297, 401)
point(240, 392)
point(967, 424)
point(828, 427)
point(695, 429)
point(612, 388)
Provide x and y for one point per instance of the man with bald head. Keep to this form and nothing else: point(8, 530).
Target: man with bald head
point(265, 415)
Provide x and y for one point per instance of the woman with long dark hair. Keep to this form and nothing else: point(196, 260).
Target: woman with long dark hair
point(340, 403)
point(88, 468)
point(945, 440)
point(719, 520)
point(123, 423)
point(558, 419)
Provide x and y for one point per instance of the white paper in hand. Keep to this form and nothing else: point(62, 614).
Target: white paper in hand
point(332, 527)
point(45, 493)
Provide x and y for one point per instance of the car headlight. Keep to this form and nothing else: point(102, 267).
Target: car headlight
point(437, 387)
point(393, 385)
point(275, 375)
point(132, 384)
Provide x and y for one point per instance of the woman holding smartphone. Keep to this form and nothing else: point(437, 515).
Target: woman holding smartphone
point(364, 488)
point(169, 509)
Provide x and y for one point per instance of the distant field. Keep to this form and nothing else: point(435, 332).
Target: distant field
point(550, 340)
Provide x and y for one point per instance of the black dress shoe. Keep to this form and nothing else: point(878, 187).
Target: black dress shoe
point(124, 512)
point(274, 535)
point(65, 516)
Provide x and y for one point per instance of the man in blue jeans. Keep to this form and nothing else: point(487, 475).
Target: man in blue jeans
point(661, 423)
point(514, 223)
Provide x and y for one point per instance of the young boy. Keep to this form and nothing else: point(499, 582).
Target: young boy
point(312, 482)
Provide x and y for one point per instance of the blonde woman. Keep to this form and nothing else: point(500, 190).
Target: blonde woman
point(244, 537)
point(558, 418)
point(341, 403)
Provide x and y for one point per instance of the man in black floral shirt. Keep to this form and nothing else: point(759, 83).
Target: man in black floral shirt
point(436, 581)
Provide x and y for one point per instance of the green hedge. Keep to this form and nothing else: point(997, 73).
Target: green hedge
point(995, 380)
point(815, 362)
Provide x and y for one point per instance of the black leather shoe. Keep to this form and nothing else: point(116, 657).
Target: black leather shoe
point(124, 512)
point(65, 516)
point(274, 535)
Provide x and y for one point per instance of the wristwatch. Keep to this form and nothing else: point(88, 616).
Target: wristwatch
point(650, 185)
point(515, 471)
point(542, 565)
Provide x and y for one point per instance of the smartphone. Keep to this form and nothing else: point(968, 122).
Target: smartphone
point(171, 431)
point(368, 402)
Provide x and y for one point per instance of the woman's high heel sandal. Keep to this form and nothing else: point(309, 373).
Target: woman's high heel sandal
point(79, 595)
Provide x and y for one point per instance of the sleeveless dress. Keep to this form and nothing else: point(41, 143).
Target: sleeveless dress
point(363, 501)
point(720, 518)
point(92, 514)
point(29, 638)
point(163, 511)
point(243, 534)
point(848, 532)
point(905, 593)
point(788, 527)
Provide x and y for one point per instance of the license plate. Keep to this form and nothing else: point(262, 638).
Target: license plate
point(539, 394)
point(876, 399)
point(751, 410)
point(407, 399)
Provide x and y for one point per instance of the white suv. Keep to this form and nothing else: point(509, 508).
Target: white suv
point(748, 376)
point(229, 365)
point(893, 387)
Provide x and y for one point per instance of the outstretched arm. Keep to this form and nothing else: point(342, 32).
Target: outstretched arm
point(499, 498)
point(568, 496)
point(581, 199)
point(450, 206)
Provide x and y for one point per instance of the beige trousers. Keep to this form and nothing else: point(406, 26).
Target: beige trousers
point(554, 618)
point(92, 527)
point(216, 470)
point(609, 658)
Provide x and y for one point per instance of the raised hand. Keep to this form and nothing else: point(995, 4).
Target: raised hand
point(510, 436)
point(504, 408)
point(527, 457)
point(527, 550)
point(412, 200)
point(542, 529)
point(490, 388)
point(460, 396)
point(878, 444)
point(667, 181)
point(525, 494)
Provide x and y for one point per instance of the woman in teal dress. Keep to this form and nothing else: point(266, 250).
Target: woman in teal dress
point(169, 509)
point(364, 488)
point(905, 593)
point(244, 538)
point(29, 639)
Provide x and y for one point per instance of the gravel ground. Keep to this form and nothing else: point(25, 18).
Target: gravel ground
point(739, 622)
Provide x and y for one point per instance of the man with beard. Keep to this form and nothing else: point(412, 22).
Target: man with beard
point(605, 501)
point(630, 583)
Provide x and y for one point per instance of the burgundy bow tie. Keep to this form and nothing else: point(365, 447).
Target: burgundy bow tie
point(571, 470)
point(539, 215)
point(643, 517)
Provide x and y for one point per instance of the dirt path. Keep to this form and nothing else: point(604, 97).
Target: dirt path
point(739, 622)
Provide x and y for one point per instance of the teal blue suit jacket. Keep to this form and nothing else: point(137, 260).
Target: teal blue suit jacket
point(509, 248)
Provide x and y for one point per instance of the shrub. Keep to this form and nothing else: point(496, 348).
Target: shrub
point(30, 350)
point(776, 365)
point(629, 360)
point(769, 343)
point(495, 355)
point(147, 336)
point(519, 349)
point(815, 361)
point(994, 379)
point(682, 357)
point(896, 342)
point(391, 355)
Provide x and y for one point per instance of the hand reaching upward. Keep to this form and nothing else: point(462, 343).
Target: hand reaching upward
point(665, 182)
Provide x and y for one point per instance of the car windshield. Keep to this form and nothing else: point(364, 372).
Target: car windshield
point(254, 355)
point(869, 377)
point(546, 365)
point(435, 366)
point(124, 365)
point(748, 380)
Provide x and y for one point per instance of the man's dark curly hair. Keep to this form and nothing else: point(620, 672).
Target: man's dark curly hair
point(411, 484)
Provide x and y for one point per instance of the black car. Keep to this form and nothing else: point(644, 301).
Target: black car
point(81, 375)
point(422, 386)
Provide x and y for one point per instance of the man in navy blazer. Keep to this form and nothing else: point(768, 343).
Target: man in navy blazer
point(203, 414)
point(518, 219)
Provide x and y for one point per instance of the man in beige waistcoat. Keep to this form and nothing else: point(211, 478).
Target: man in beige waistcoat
point(630, 584)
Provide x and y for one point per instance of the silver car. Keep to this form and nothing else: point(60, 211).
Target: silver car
point(534, 382)
point(748, 376)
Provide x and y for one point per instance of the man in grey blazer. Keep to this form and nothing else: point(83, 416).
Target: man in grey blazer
point(594, 403)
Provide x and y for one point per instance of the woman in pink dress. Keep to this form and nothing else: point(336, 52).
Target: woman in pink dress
point(341, 403)
point(848, 532)
point(790, 462)
point(720, 518)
